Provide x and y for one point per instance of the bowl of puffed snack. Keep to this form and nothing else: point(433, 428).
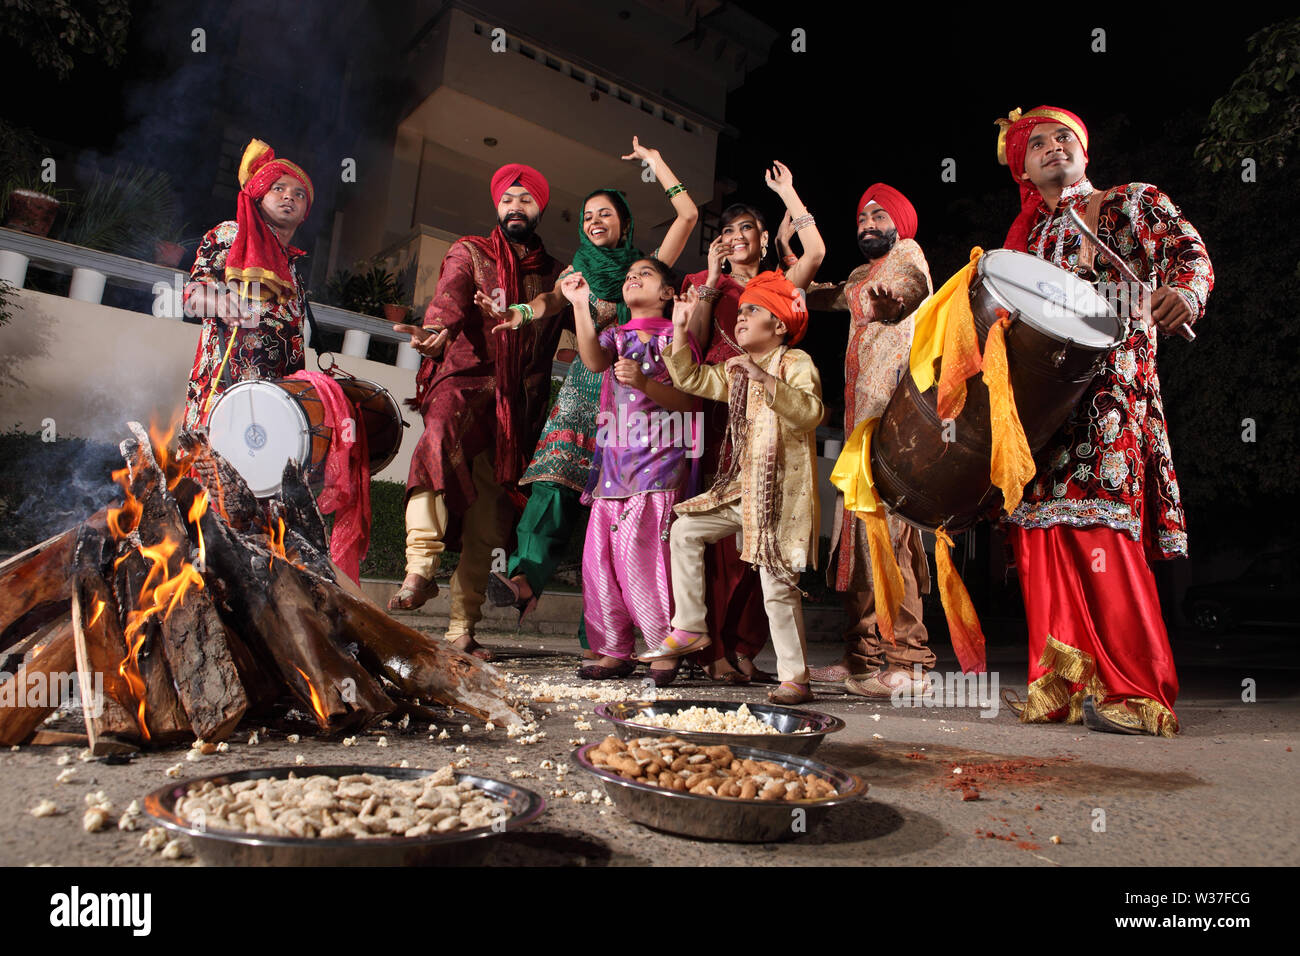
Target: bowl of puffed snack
point(717, 792)
point(784, 729)
point(343, 816)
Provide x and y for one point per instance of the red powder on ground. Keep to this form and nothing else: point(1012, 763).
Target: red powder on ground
point(914, 756)
point(1026, 845)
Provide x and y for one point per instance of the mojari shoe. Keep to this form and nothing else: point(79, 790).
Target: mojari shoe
point(503, 592)
point(876, 687)
point(837, 674)
point(1094, 719)
point(676, 644)
point(790, 694)
point(600, 672)
point(664, 676)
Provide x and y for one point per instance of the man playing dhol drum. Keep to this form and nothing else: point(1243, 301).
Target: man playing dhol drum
point(244, 275)
point(1105, 496)
point(483, 395)
point(881, 295)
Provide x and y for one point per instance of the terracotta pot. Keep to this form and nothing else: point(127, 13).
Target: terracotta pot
point(30, 211)
point(168, 253)
point(396, 313)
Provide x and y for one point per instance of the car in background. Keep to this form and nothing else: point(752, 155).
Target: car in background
point(1264, 594)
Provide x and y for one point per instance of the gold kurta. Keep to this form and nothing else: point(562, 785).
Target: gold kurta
point(787, 422)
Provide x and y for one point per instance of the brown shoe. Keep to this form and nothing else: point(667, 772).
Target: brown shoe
point(838, 673)
point(882, 686)
point(790, 694)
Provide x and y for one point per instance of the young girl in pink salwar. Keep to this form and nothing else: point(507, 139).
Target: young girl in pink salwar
point(644, 433)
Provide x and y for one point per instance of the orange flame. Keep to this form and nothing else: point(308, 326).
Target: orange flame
point(197, 510)
point(277, 539)
point(99, 610)
point(316, 703)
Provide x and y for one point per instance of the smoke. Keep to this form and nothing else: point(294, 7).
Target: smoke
point(46, 488)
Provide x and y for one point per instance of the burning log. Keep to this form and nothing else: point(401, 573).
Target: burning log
point(35, 586)
point(193, 637)
point(101, 653)
point(31, 695)
point(194, 604)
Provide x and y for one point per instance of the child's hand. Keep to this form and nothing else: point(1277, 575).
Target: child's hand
point(575, 288)
point(683, 309)
point(627, 372)
point(749, 367)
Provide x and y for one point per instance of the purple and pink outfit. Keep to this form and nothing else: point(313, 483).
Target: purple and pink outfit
point(642, 470)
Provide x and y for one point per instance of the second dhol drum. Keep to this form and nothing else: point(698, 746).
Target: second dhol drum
point(259, 425)
point(1061, 332)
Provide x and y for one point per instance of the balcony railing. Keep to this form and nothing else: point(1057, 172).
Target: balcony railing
point(92, 270)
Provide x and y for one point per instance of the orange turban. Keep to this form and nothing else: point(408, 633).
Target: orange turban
point(1013, 143)
point(525, 176)
point(895, 203)
point(774, 292)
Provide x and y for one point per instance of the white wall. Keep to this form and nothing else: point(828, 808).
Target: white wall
point(92, 368)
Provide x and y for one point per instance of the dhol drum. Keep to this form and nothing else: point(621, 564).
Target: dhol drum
point(1061, 332)
point(259, 425)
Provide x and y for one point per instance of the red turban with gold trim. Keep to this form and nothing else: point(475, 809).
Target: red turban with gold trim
point(1013, 143)
point(257, 260)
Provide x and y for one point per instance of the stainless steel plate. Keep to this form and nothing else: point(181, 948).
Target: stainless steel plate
point(727, 818)
point(232, 848)
point(623, 715)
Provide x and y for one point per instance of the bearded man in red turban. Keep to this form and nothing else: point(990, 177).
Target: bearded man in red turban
point(1105, 498)
point(244, 277)
point(880, 295)
point(484, 396)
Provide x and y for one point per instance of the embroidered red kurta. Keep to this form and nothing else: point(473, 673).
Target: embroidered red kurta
point(458, 391)
point(272, 349)
point(1110, 464)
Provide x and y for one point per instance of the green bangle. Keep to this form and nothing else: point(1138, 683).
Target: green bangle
point(525, 312)
point(675, 190)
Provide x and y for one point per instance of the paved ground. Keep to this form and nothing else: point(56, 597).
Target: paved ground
point(1217, 795)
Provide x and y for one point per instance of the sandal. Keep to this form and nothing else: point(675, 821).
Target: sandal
point(411, 598)
point(755, 675)
point(790, 693)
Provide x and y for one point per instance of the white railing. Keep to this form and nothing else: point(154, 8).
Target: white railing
point(92, 269)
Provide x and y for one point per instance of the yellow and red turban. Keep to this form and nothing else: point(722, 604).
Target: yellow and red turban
point(1013, 143)
point(774, 292)
point(257, 260)
point(517, 173)
point(895, 203)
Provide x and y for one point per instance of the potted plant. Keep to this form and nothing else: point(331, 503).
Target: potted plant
point(123, 211)
point(31, 205)
point(169, 248)
point(370, 292)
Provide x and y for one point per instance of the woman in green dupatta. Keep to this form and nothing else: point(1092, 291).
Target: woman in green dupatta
point(563, 460)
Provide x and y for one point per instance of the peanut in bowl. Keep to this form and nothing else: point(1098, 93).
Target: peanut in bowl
point(790, 730)
point(759, 817)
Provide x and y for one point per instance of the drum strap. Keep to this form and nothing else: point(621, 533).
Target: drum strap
point(1087, 251)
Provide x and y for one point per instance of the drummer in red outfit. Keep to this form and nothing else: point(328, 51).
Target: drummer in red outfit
point(1105, 498)
point(244, 277)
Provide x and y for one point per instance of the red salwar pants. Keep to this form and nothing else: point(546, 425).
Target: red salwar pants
point(1095, 628)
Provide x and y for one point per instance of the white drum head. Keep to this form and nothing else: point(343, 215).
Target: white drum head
point(258, 427)
point(1053, 301)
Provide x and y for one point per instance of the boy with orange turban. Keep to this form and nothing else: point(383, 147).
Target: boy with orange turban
point(767, 489)
point(244, 275)
point(1105, 499)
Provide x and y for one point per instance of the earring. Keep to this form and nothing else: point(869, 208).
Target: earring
point(762, 250)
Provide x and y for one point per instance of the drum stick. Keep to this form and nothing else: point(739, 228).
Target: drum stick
point(1123, 267)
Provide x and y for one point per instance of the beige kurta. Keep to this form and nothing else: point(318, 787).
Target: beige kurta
point(874, 363)
point(787, 422)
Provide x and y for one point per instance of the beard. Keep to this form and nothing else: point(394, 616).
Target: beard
point(873, 243)
point(518, 228)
